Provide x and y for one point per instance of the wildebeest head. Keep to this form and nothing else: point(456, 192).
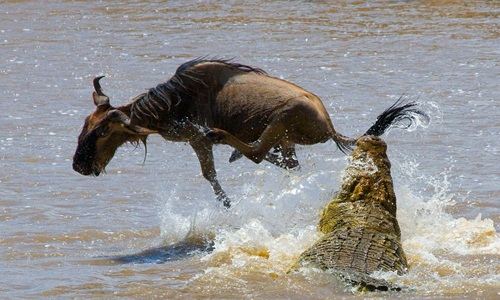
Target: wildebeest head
point(106, 129)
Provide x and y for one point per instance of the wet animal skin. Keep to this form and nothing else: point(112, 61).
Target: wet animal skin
point(361, 232)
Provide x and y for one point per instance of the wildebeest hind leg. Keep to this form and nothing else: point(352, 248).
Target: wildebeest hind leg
point(282, 156)
point(286, 158)
point(258, 150)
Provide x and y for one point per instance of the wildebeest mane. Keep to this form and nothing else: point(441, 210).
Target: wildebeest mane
point(168, 94)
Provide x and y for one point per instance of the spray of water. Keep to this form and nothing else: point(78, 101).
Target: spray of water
point(276, 212)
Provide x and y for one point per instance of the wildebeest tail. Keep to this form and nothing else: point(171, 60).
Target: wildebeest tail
point(344, 143)
point(397, 113)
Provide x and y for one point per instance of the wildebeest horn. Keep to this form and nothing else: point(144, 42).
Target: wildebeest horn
point(99, 97)
point(118, 115)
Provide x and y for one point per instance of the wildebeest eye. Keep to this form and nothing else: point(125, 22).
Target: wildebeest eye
point(103, 132)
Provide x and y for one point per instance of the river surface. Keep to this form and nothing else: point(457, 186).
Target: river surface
point(154, 230)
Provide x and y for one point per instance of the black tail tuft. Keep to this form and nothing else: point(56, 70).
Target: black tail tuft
point(398, 112)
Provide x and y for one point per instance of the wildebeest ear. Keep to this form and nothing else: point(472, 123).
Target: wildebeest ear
point(100, 100)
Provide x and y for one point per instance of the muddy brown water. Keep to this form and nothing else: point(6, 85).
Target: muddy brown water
point(155, 230)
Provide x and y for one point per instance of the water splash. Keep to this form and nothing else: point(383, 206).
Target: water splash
point(275, 216)
point(446, 254)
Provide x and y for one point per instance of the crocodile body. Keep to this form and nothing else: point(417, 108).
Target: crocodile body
point(361, 232)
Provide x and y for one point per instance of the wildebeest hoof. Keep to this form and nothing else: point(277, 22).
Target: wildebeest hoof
point(235, 156)
point(291, 164)
point(226, 202)
point(222, 197)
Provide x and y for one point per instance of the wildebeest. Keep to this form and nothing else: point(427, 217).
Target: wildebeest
point(213, 101)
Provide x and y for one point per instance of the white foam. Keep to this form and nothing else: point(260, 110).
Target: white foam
point(274, 218)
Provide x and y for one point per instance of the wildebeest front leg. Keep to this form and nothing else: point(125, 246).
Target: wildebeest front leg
point(206, 158)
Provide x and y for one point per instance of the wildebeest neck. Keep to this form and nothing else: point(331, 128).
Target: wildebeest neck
point(150, 106)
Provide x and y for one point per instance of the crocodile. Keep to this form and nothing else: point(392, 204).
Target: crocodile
point(361, 232)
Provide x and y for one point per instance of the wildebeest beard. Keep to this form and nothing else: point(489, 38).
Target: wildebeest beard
point(84, 161)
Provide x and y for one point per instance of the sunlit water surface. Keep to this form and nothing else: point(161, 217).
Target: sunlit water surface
point(155, 230)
